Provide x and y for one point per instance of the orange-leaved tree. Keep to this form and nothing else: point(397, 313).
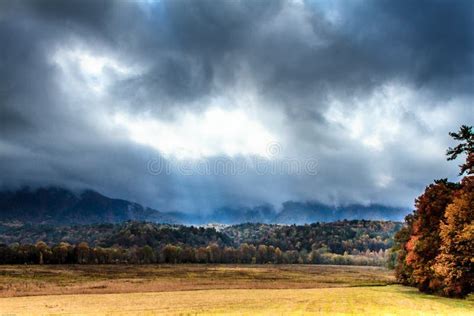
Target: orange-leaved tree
point(436, 247)
point(422, 247)
point(455, 262)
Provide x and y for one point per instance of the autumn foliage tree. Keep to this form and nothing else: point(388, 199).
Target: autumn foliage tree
point(423, 245)
point(403, 271)
point(435, 249)
point(455, 262)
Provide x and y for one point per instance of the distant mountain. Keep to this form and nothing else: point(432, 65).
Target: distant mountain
point(310, 212)
point(295, 213)
point(264, 214)
point(260, 214)
point(58, 205)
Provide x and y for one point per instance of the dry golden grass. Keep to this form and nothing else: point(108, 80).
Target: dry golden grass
point(389, 300)
point(214, 289)
point(42, 280)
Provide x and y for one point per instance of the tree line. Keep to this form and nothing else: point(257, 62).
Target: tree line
point(435, 250)
point(82, 253)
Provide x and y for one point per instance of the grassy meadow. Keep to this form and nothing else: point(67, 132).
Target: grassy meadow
point(214, 289)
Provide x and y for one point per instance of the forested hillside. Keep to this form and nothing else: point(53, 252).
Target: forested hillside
point(337, 237)
point(344, 242)
point(127, 234)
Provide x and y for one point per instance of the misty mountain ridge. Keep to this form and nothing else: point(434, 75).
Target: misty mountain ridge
point(59, 205)
point(294, 212)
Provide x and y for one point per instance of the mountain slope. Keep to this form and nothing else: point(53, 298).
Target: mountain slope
point(58, 205)
point(294, 213)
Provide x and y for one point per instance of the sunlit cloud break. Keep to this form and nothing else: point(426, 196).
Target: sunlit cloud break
point(211, 133)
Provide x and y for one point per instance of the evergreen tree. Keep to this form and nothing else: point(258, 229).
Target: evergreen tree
point(466, 137)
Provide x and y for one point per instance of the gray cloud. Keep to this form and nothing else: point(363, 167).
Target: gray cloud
point(326, 70)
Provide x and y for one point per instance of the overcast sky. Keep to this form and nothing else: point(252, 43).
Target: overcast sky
point(133, 98)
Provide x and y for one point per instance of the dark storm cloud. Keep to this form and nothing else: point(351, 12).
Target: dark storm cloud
point(192, 44)
point(431, 42)
point(298, 57)
point(427, 44)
